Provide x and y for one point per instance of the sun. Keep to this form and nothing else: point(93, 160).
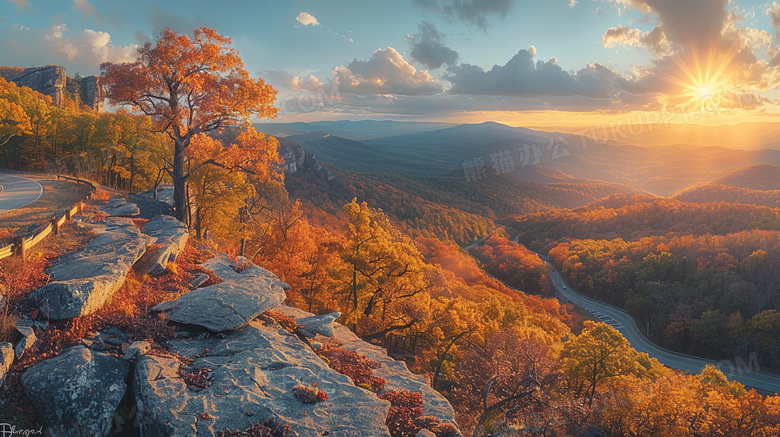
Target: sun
point(702, 77)
point(703, 91)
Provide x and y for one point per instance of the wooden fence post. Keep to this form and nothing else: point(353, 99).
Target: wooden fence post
point(20, 250)
point(81, 208)
point(67, 215)
point(55, 226)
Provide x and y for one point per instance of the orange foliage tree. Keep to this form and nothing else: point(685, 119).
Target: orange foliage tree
point(189, 85)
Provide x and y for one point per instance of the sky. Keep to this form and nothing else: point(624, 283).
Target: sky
point(514, 61)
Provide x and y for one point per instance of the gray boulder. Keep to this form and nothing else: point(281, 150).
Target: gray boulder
point(170, 238)
point(252, 374)
point(395, 373)
point(322, 325)
point(230, 304)
point(137, 349)
point(25, 327)
point(84, 280)
point(117, 206)
point(164, 194)
point(77, 392)
point(199, 279)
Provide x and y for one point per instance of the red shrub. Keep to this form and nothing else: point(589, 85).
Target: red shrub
point(309, 395)
point(354, 365)
point(405, 407)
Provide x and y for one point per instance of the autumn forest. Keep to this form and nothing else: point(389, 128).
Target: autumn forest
point(446, 272)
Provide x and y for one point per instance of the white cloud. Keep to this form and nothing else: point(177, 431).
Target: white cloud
point(572, 3)
point(79, 51)
point(386, 73)
point(522, 76)
point(291, 81)
point(307, 19)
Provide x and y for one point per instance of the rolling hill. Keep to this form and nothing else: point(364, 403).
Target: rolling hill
point(442, 152)
point(756, 185)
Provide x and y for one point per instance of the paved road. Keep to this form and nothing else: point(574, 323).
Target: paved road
point(739, 369)
point(17, 192)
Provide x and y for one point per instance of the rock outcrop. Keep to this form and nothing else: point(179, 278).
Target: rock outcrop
point(118, 206)
point(231, 304)
point(170, 236)
point(395, 373)
point(77, 392)
point(83, 281)
point(92, 93)
point(252, 375)
point(51, 80)
point(297, 159)
point(25, 328)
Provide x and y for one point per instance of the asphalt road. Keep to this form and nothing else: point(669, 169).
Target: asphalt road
point(741, 369)
point(17, 192)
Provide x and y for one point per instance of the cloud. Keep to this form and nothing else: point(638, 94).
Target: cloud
point(572, 3)
point(621, 35)
point(87, 11)
point(387, 72)
point(307, 19)
point(291, 81)
point(521, 76)
point(475, 12)
point(20, 4)
point(79, 51)
point(654, 40)
point(774, 14)
point(428, 47)
point(697, 43)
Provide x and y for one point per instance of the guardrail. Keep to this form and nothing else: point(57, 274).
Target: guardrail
point(26, 242)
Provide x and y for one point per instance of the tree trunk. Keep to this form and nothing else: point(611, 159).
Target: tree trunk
point(179, 184)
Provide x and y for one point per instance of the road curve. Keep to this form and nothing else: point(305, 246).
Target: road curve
point(17, 192)
point(740, 369)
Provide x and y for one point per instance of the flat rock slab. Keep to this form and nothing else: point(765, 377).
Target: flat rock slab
point(322, 325)
point(82, 281)
point(77, 392)
point(253, 372)
point(119, 207)
point(230, 304)
point(170, 237)
point(164, 194)
point(395, 373)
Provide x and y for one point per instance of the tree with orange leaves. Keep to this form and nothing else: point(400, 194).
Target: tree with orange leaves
point(189, 85)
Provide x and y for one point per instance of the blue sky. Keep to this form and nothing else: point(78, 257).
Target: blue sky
point(432, 58)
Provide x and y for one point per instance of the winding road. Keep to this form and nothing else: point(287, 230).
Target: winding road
point(17, 192)
point(741, 369)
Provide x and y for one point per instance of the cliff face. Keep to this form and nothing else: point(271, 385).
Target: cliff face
point(296, 159)
point(92, 93)
point(51, 81)
point(48, 80)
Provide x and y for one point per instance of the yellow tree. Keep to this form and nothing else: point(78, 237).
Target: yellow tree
point(599, 354)
point(385, 271)
point(14, 121)
point(223, 177)
point(189, 85)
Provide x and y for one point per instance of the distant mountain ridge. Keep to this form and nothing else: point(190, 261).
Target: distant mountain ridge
point(660, 170)
point(755, 184)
